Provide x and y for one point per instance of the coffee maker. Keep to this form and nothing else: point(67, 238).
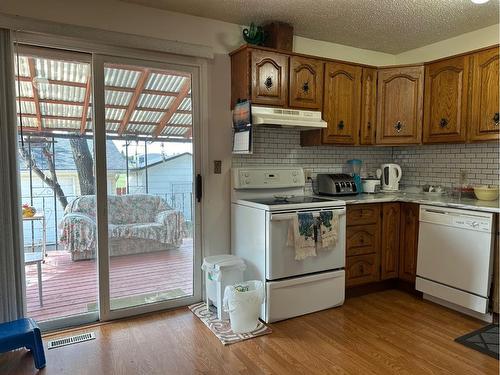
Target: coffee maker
point(390, 175)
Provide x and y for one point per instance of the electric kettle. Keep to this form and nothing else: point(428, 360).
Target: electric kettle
point(390, 175)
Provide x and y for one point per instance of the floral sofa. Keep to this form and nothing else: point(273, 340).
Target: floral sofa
point(136, 224)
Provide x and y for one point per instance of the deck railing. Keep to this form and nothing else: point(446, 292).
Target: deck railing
point(54, 213)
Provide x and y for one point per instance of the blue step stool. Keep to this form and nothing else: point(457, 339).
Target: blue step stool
point(23, 333)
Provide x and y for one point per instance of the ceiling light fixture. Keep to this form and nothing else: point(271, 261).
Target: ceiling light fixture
point(479, 1)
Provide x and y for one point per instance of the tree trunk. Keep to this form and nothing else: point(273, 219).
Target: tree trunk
point(84, 165)
point(52, 182)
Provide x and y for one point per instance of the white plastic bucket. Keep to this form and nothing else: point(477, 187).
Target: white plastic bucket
point(243, 302)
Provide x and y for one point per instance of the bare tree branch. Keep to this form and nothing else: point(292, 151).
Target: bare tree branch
point(51, 182)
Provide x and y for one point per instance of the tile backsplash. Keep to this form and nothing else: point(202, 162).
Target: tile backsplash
point(434, 164)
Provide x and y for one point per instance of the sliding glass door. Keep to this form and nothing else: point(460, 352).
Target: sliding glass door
point(151, 159)
point(108, 157)
point(56, 170)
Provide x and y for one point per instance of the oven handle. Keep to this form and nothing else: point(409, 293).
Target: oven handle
point(291, 215)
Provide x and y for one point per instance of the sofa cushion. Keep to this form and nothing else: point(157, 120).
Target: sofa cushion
point(145, 231)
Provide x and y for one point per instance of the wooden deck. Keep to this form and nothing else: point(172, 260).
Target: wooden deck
point(69, 287)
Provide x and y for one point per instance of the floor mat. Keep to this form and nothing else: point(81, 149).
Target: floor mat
point(140, 299)
point(222, 328)
point(484, 340)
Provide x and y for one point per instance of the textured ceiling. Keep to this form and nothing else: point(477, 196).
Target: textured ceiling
point(391, 26)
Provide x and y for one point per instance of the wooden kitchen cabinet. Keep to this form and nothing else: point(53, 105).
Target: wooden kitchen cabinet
point(445, 103)
point(259, 75)
point(341, 105)
point(363, 244)
point(306, 83)
point(408, 241)
point(362, 269)
point(400, 105)
point(368, 106)
point(361, 214)
point(362, 239)
point(484, 111)
point(269, 78)
point(390, 241)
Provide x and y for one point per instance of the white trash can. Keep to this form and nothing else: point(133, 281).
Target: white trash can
point(220, 271)
point(243, 302)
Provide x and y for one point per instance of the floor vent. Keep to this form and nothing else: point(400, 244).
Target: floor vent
point(70, 340)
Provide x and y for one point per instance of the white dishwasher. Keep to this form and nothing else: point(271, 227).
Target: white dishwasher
point(454, 263)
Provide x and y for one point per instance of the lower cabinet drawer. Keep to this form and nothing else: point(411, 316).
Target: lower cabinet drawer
point(362, 269)
point(362, 239)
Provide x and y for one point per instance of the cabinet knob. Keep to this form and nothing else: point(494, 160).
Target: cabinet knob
point(443, 123)
point(268, 83)
point(369, 126)
point(341, 125)
point(305, 87)
point(398, 126)
point(496, 118)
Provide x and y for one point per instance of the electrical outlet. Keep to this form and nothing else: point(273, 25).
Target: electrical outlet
point(308, 173)
point(217, 166)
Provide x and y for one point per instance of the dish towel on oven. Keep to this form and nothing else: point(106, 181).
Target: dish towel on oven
point(328, 229)
point(302, 235)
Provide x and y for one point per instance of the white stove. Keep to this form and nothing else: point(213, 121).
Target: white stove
point(264, 201)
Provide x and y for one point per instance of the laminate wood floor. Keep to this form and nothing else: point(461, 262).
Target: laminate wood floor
point(389, 332)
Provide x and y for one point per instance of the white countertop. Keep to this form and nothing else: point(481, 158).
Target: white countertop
point(421, 198)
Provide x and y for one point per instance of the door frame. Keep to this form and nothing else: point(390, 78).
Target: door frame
point(200, 145)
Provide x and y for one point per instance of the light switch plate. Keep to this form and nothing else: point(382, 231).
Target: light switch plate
point(217, 166)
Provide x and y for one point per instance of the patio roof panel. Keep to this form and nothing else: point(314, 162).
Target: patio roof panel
point(165, 82)
point(26, 89)
point(146, 116)
point(61, 92)
point(28, 122)
point(140, 128)
point(63, 110)
point(185, 105)
point(61, 124)
point(136, 98)
point(181, 118)
point(174, 131)
point(155, 101)
point(121, 77)
point(114, 114)
point(23, 66)
point(61, 70)
point(117, 97)
point(26, 107)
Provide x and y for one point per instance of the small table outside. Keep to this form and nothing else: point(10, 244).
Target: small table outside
point(40, 216)
point(32, 258)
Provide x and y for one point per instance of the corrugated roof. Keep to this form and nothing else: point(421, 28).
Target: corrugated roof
point(61, 92)
point(165, 82)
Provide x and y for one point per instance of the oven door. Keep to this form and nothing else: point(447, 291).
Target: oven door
point(280, 258)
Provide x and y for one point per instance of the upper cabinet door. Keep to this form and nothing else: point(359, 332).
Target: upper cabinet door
point(269, 78)
point(368, 106)
point(306, 83)
point(399, 105)
point(446, 95)
point(484, 125)
point(341, 105)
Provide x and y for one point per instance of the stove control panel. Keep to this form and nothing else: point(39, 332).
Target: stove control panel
point(267, 178)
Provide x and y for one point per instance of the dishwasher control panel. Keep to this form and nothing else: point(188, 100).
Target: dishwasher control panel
point(457, 218)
